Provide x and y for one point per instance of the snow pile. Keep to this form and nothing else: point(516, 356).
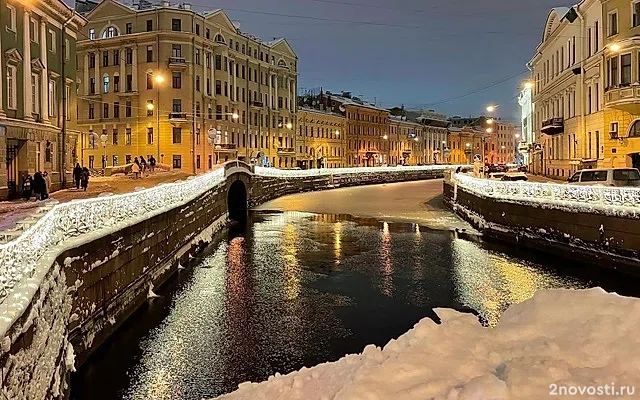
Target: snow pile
point(558, 339)
point(614, 201)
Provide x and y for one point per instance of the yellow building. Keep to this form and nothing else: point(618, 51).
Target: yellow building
point(320, 142)
point(190, 89)
point(405, 141)
point(465, 144)
point(621, 126)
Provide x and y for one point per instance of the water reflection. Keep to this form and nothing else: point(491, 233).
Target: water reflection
point(297, 289)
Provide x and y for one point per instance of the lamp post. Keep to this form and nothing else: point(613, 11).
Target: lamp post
point(104, 137)
point(158, 79)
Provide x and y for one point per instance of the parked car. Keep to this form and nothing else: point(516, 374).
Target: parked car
point(515, 176)
point(496, 176)
point(606, 177)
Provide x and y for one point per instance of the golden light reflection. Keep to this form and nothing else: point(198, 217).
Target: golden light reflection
point(291, 266)
point(235, 265)
point(490, 282)
point(337, 242)
point(386, 285)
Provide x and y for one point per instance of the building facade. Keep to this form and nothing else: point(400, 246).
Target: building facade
point(568, 91)
point(619, 140)
point(188, 88)
point(37, 90)
point(435, 137)
point(501, 143)
point(526, 144)
point(320, 142)
point(405, 142)
point(466, 144)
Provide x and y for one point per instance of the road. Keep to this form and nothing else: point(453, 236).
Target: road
point(417, 202)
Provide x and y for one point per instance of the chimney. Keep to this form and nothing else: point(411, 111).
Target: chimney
point(186, 6)
point(164, 3)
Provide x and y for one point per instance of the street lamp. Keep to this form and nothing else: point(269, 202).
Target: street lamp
point(490, 121)
point(150, 106)
point(289, 125)
point(492, 108)
point(489, 130)
point(158, 78)
point(235, 115)
point(615, 47)
point(528, 85)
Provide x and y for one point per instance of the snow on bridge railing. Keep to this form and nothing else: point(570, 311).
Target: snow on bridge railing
point(617, 201)
point(301, 173)
point(38, 246)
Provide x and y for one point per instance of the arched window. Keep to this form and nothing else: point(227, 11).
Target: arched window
point(105, 84)
point(219, 39)
point(634, 129)
point(282, 64)
point(110, 32)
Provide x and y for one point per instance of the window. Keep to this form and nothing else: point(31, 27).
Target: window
point(51, 42)
point(177, 135)
point(176, 24)
point(129, 56)
point(634, 130)
point(105, 84)
point(116, 57)
point(596, 37)
point(177, 161)
point(114, 137)
point(150, 135)
point(92, 60)
point(589, 101)
point(116, 83)
point(197, 29)
point(92, 34)
point(35, 98)
point(588, 42)
point(149, 53)
point(594, 176)
point(197, 56)
point(208, 33)
point(129, 83)
point(128, 28)
point(149, 25)
point(105, 110)
point(626, 175)
point(613, 23)
point(110, 32)
point(67, 49)
point(105, 58)
point(149, 81)
point(116, 110)
point(575, 177)
point(12, 101)
point(11, 11)
point(127, 138)
point(197, 83)
point(52, 98)
point(92, 112)
point(127, 109)
point(613, 72)
point(218, 112)
point(177, 105)
point(176, 80)
point(149, 108)
point(198, 109)
point(219, 62)
point(176, 50)
point(625, 64)
point(210, 112)
point(635, 19)
point(114, 160)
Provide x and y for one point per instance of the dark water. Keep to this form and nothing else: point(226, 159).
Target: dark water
point(291, 290)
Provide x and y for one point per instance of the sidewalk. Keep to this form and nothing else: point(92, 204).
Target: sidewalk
point(14, 211)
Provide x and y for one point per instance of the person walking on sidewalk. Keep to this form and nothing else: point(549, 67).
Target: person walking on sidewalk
point(85, 178)
point(38, 185)
point(135, 168)
point(77, 175)
point(152, 163)
point(143, 165)
point(47, 181)
point(26, 188)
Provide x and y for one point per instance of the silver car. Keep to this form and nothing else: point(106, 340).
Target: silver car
point(606, 177)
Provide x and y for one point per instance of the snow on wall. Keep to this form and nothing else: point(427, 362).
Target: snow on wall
point(613, 201)
point(292, 173)
point(583, 340)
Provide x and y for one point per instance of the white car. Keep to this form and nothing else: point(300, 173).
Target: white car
point(606, 177)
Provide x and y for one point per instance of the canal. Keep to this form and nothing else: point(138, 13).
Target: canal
point(304, 281)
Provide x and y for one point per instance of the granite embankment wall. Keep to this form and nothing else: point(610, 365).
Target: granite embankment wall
point(604, 235)
point(95, 284)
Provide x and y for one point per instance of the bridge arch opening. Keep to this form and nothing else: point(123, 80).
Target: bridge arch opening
point(237, 201)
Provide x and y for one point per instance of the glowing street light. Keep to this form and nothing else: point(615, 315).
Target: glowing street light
point(615, 47)
point(490, 121)
point(289, 125)
point(416, 139)
point(489, 130)
point(337, 133)
point(235, 115)
point(528, 85)
point(150, 106)
point(492, 108)
point(385, 137)
point(468, 145)
point(158, 78)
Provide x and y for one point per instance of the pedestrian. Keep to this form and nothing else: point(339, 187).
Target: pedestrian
point(26, 187)
point(38, 185)
point(85, 178)
point(143, 164)
point(47, 181)
point(135, 168)
point(77, 175)
point(152, 163)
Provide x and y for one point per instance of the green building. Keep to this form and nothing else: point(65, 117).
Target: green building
point(37, 91)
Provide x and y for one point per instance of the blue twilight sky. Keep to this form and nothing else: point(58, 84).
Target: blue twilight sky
point(411, 52)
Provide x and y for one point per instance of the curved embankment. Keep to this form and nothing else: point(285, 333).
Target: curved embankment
point(69, 281)
point(594, 224)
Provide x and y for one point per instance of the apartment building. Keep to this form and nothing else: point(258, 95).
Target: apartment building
point(466, 144)
point(501, 143)
point(405, 142)
point(38, 85)
point(618, 144)
point(320, 142)
point(434, 139)
point(568, 117)
point(189, 88)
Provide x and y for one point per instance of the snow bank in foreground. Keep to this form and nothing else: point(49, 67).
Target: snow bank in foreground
point(580, 339)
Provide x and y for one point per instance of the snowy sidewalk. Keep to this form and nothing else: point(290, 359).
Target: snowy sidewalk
point(12, 212)
point(581, 343)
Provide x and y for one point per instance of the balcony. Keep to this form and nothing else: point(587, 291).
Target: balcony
point(623, 95)
point(226, 146)
point(177, 118)
point(553, 126)
point(286, 151)
point(257, 104)
point(177, 63)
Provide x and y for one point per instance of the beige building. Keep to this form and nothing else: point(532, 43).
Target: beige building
point(568, 88)
point(501, 143)
point(405, 142)
point(189, 89)
point(320, 142)
point(619, 142)
point(465, 144)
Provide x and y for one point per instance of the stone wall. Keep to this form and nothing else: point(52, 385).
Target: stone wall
point(590, 237)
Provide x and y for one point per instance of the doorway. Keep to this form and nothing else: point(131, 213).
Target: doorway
point(635, 160)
